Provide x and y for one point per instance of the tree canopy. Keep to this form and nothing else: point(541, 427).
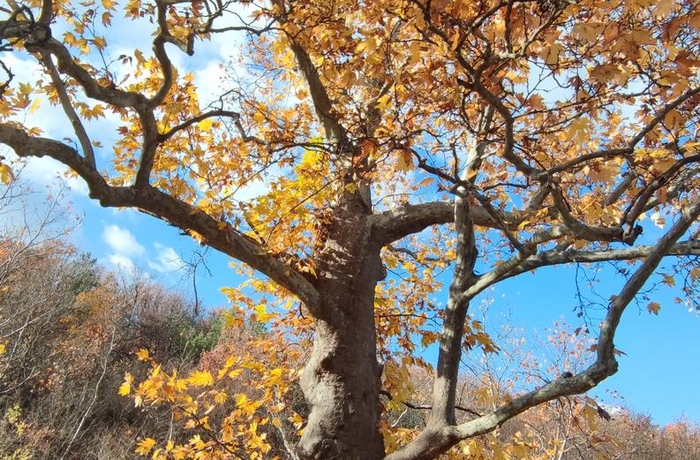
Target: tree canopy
point(401, 144)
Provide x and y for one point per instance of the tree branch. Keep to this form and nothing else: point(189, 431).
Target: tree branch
point(319, 95)
point(437, 439)
point(447, 369)
point(395, 224)
point(519, 265)
point(218, 234)
point(67, 106)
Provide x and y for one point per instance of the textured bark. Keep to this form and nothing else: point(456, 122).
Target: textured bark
point(341, 385)
point(341, 381)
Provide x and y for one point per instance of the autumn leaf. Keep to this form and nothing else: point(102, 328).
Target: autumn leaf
point(6, 175)
point(205, 125)
point(144, 446)
point(405, 160)
point(142, 355)
point(262, 315)
point(125, 387)
point(654, 307)
point(201, 379)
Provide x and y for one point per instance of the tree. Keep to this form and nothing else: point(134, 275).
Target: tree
point(397, 140)
point(67, 331)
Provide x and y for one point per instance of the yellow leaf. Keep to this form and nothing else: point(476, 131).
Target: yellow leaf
point(405, 161)
point(498, 453)
point(673, 120)
point(578, 130)
point(25, 89)
point(205, 125)
point(590, 413)
point(201, 379)
point(220, 397)
point(519, 450)
point(35, 105)
point(384, 102)
point(142, 355)
point(369, 45)
point(473, 449)
point(145, 445)
point(125, 389)
point(551, 54)
point(261, 315)
point(6, 174)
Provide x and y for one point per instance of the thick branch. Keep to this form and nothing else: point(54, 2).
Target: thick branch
point(518, 265)
point(395, 224)
point(67, 65)
point(580, 229)
point(391, 226)
point(67, 106)
point(180, 214)
point(435, 440)
point(447, 369)
point(319, 95)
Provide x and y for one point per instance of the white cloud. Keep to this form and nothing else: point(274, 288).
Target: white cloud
point(209, 81)
point(51, 119)
point(46, 171)
point(121, 262)
point(167, 259)
point(122, 241)
point(253, 189)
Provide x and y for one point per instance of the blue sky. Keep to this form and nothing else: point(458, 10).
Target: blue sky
point(658, 375)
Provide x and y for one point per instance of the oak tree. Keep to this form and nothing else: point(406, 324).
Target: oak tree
point(400, 142)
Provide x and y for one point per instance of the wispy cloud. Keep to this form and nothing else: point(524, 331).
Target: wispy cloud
point(167, 259)
point(121, 262)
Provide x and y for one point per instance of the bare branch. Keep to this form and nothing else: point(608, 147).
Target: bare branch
point(415, 406)
point(437, 439)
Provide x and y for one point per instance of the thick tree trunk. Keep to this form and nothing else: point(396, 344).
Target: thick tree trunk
point(341, 385)
point(342, 379)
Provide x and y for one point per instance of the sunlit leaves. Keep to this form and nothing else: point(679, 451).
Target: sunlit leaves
point(201, 379)
point(145, 445)
point(244, 390)
point(125, 388)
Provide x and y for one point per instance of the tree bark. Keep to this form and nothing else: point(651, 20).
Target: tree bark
point(342, 379)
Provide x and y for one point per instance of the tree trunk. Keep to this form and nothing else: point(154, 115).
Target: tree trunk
point(342, 379)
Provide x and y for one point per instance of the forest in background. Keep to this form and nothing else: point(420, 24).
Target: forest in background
point(70, 331)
